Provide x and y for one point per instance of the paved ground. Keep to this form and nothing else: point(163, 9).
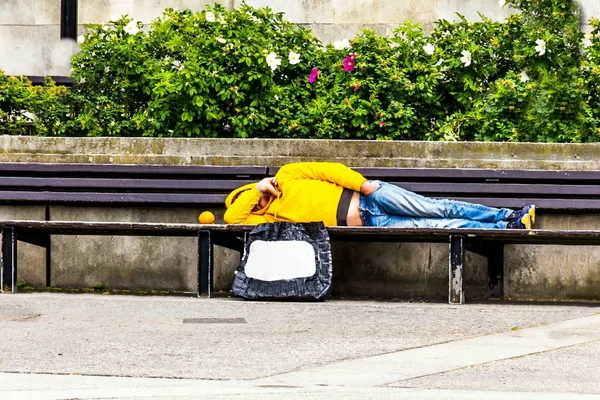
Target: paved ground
point(61, 346)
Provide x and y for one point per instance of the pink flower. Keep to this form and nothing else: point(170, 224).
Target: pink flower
point(381, 124)
point(349, 62)
point(356, 87)
point(313, 75)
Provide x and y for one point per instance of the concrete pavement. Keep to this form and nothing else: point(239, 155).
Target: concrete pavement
point(61, 346)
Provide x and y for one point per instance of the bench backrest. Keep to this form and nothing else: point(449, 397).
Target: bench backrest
point(124, 185)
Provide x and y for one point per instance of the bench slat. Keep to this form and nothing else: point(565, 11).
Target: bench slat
point(42, 169)
point(112, 198)
point(540, 203)
point(121, 183)
point(512, 189)
point(445, 175)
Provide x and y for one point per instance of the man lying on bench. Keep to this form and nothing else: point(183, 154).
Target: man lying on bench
point(339, 196)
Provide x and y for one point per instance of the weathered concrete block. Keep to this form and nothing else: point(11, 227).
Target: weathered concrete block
point(147, 10)
point(124, 261)
point(47, 12)
point(98, 11)
point(552, 272)
point(589, 8)
point(330, 33)
point(17, 12)
point(408, 271)
point(470, 9)
point(306, 11)
point(28, 50)
point(35, 50)
point(381, 11)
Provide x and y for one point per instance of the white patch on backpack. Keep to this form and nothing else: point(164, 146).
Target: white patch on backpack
point(281, 260)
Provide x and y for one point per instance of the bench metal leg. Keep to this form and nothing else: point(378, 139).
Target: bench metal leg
point(47, 245)
point(9, 261)
point(205, 263)
point(457, 261)
point(495, 257)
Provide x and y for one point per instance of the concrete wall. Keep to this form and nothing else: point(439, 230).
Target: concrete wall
point(391, 270)
point(30, 29)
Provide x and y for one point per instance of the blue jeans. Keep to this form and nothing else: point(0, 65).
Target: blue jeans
point(390, 205)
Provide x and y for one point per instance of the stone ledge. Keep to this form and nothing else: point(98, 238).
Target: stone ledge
point(356, 153)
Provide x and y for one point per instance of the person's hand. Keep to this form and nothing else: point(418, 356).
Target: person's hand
point(268, 185)
point(368, 187)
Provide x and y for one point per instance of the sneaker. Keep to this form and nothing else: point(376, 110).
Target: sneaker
point(523, 223)
point(516, 215)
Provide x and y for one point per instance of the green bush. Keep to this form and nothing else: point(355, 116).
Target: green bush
point(380, 88)
point(247, 72)
point(17, 99)
point(202, 74)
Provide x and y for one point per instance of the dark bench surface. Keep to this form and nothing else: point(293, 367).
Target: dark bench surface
point(535, 236)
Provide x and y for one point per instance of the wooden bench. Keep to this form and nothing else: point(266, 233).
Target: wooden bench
point(552, 191)
point(488, 242)
point(117, 186)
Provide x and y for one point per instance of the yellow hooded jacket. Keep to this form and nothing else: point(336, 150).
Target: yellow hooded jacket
point(309, 192)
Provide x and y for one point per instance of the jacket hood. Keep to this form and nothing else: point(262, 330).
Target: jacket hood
point(237, 191)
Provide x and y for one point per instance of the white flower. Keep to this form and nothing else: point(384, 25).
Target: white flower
point(541, 47)
point(294, 58)
point(501, 3)
point(440, 61)
point(222, 20)
point(466, 58)
point(82, 80)
point(132, 28)
point(586, 42)
point(178, 65)
point(524, 76)
point(342, 44)
point(429, 49)
point(210, 17)
point(273, 61)
point(221, 40)
point(28, 115)
point(106, 70)
point(276, 97)
point(80, 39)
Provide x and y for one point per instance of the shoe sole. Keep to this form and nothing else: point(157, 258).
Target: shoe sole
point(526, 221)
point(532, 214)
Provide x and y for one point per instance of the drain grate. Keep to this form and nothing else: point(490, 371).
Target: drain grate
point(214, 321)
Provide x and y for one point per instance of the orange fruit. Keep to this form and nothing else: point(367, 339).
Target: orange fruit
point(206, 217)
